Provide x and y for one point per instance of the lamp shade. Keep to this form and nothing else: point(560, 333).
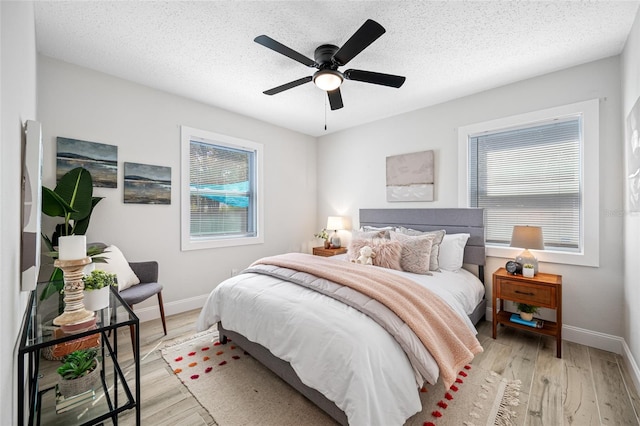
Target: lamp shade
point(527, 237)
point(335, 223)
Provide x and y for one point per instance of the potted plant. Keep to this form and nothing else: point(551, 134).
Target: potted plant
point(79, 372)
point(96, 289)
point(528, 270)
point(527, 311)
point(73, 200)
point(325, 236)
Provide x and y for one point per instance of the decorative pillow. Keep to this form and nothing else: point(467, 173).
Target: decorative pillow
point(384, 230)
point(416, 253)
point(435, 245)
point(360, 234)
point(387, 252)
point(117, 264)
point(452, 251)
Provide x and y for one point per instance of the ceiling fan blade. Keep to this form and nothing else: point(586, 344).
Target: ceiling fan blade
point(335, 99)
point(366, 34)
point(288, 86)
point(375, 78)
point(267, 41)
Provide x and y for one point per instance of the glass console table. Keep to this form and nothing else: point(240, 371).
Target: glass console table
point(37, 376)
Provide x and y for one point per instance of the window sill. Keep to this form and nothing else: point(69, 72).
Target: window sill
point(548, 256)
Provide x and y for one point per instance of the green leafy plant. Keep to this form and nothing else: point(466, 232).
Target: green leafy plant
point(322, 234)
point(73, 200)
point(99, 279)
point(527, 266)
point(78, 363)
point(528, 309)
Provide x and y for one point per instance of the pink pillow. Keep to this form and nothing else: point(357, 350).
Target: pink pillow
point(387, 253)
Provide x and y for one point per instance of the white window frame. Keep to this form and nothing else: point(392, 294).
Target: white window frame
point(589, 254)
point(188, 134)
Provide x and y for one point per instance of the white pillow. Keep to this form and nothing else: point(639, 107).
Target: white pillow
point(452, 251)
point(117, 264)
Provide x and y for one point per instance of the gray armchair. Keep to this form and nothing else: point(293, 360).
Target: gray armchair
point(149, 286)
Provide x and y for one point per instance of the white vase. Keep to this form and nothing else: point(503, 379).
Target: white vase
point(94, 300)
point(527, 272)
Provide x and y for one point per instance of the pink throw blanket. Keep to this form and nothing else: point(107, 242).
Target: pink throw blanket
point(451, 343)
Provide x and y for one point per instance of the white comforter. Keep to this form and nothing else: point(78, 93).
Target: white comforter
point(333, 348)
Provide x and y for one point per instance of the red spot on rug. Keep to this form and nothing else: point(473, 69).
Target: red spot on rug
point(219, 352)
point(423, 389)
point(463, 374)
point(206, 348)
point(442, 404)
point(193, 364)
point(235, 357)
point(436, 413)
point(195, 376)
point(454, 388)
point(208, 369)
point(192, 353)
point(217, 344)
point(178, 359)
point(467, 367)
point(232, 347)
point(177, 370)
point(223, 363)
point(429, 424)
point(206, 358)
point(448, 396)
point(459, 380)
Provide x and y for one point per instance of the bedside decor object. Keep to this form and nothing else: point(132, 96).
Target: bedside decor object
point(72, 259)
point(527, 237)
point(513, 267)
point(527, 311)
point(324, 236)
point(527, 270)
point(336, 223)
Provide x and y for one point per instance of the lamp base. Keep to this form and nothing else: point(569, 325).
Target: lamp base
point(525, 258)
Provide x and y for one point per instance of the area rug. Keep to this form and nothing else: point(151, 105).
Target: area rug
point(237, 390)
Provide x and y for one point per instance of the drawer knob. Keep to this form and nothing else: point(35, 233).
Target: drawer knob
point(525, 293)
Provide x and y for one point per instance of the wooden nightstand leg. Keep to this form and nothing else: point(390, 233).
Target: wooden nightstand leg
point(495, 317)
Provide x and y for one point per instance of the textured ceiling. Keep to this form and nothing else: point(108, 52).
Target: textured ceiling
point(205, 50)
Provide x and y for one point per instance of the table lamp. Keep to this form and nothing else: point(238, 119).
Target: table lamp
point(527, 237)
point(335, 223)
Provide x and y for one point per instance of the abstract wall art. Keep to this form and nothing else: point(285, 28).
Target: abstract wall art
point(410, 177)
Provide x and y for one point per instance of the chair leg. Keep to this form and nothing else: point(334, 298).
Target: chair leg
point(161, 305)
point(132, 331)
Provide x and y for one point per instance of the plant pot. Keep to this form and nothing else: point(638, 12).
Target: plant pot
point(327, 244)
point(69, 388)
point(527, 272)
point(94, 300)
point(526, 316)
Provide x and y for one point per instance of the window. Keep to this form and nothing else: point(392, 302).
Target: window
point(537, 169)
point(221, 202)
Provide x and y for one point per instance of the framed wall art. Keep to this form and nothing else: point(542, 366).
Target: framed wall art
point(101, 160)
point(410, 177)
point(147, 184)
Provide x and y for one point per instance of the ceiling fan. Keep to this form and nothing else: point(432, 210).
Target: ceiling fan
point(327, 60)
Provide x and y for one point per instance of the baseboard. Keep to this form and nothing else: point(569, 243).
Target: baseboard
point(632, 366)
point(149, 311)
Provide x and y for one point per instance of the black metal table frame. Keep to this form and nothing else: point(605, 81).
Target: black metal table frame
point(34, 352)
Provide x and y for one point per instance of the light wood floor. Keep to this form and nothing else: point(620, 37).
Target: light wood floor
point(587, 387)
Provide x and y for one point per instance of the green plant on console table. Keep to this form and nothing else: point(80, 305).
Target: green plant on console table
point(528, 309)
point(73, 200)
point(99, 279)
point(78, 363)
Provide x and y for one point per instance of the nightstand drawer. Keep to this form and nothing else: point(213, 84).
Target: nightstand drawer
point(536, 295)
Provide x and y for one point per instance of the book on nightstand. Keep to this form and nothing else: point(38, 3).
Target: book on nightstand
point(536, 323)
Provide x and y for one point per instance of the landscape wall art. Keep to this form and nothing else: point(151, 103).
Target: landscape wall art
point(101, 160)
point(147, 184)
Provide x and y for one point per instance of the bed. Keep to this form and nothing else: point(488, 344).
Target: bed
point(350, 365)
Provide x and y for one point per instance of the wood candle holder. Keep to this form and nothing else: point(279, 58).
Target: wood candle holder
point(74, 310)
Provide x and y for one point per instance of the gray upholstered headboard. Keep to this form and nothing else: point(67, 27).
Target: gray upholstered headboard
point(454, 221)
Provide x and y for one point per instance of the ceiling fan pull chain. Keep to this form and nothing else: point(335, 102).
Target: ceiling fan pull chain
point(325, 113)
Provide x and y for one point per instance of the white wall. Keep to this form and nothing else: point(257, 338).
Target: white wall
point(18, 104)
point(631, 319)
point(351, 168)
point(79, 103)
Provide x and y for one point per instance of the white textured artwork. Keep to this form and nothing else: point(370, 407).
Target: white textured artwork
point(633, 157)
point(410, 177)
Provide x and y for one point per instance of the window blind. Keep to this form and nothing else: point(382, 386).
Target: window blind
point(530, 176)
point(222, 188)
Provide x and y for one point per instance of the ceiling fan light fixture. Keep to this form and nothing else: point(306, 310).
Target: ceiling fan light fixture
point(328, 80)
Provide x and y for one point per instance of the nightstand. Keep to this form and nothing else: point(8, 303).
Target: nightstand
point(543, 290)
point(327, 252)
